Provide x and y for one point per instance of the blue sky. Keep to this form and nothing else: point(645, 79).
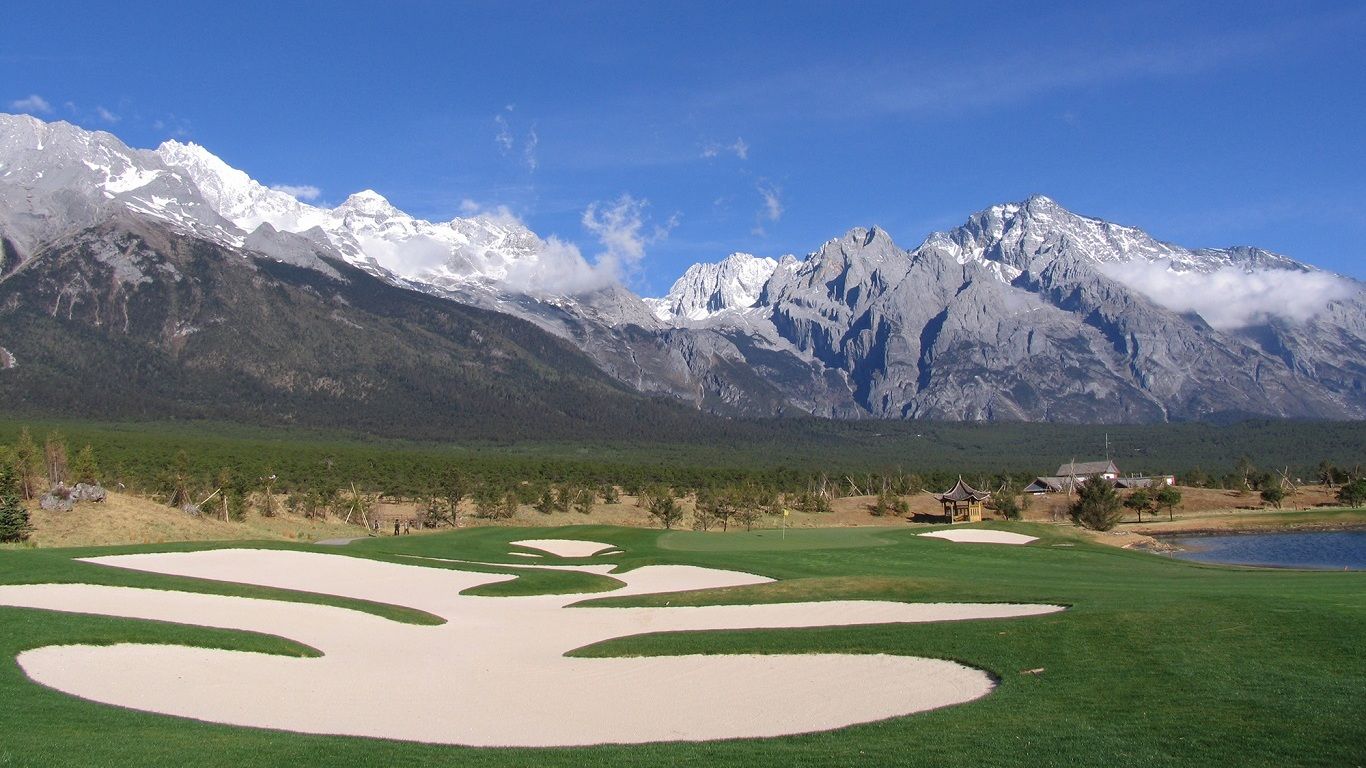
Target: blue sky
point(768, 128)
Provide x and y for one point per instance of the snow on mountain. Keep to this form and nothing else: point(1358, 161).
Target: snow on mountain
point(235, 195)
point(495, 251)
point(64, 177)
point(1015, 234)
point(705, 289)
point(56, 177)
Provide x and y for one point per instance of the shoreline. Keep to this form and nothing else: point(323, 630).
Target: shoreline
point(1325, 526)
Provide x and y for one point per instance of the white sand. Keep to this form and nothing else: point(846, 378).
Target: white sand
point(525, 554)
point(495, 673)
point(565, 547)
point(981, 536)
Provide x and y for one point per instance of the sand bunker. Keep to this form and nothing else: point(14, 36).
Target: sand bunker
point(495, 673)
point(981, 536)
point(565, 547)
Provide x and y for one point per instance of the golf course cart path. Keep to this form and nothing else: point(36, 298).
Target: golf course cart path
point(980, 536)
point(467, 681)
point(565, 547)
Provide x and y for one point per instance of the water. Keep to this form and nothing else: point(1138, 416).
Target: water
point(1333, 550)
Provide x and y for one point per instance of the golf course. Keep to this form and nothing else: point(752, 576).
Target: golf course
point(1084, 654)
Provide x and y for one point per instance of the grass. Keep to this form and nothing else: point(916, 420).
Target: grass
point(774, 540)
point(1157, 663)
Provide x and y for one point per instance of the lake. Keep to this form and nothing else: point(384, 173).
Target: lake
point(1334, 550)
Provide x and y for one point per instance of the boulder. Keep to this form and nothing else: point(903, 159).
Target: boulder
point(88, 492)
point(59, 499)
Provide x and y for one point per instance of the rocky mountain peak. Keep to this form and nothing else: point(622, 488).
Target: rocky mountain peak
point(704, 290)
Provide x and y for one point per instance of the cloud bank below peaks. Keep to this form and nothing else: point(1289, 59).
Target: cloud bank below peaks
point(1231, 298)
point(624, 231)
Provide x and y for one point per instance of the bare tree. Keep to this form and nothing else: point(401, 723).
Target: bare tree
point(55, 457)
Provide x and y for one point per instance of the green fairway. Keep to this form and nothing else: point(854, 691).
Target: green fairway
point(775, 540)
point(1157, 662)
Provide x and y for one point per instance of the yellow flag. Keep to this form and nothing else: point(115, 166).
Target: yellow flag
point(787, 512)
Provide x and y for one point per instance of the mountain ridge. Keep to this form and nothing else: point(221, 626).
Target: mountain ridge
point(1027, 311)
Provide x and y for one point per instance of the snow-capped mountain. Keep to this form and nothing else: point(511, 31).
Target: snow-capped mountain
point(70, 177)
point(490, 251)
point(1025, 312)
point(1014, 234)
point(735, 282)
point(1029, 311)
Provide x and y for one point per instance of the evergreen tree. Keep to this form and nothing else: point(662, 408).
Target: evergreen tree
point(453, 488)
point(1007, 500)
point(751, 506)
point(1326, 473)
point(1097, 506)
point(1140, 501)
point(1273, 495)
point(83, 467)
point(1353, 493)
point(14, 520)
point(1168, 497)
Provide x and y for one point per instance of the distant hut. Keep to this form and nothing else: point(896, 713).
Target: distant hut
point(963, 503)
point(1085, 470)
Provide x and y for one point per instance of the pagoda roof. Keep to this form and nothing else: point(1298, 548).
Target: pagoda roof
point(961, 491)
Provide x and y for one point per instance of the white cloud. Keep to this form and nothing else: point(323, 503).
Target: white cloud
point(504, 136)
point(298, 191)
point(558, 269)
point(1232, 298)
point(498, 213)
point(409, 256)
point(106, 115)
point(529, 149)
point(507, 142)
point(33, 104)
point(177, 127)
point(621, 228)
point(740, 148)
point(772, 208)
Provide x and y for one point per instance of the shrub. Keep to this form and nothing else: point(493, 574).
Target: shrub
point(665, 510)
point(1353, 493)
point(1273, 495)
point(1097, 506)
point(584, 499)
